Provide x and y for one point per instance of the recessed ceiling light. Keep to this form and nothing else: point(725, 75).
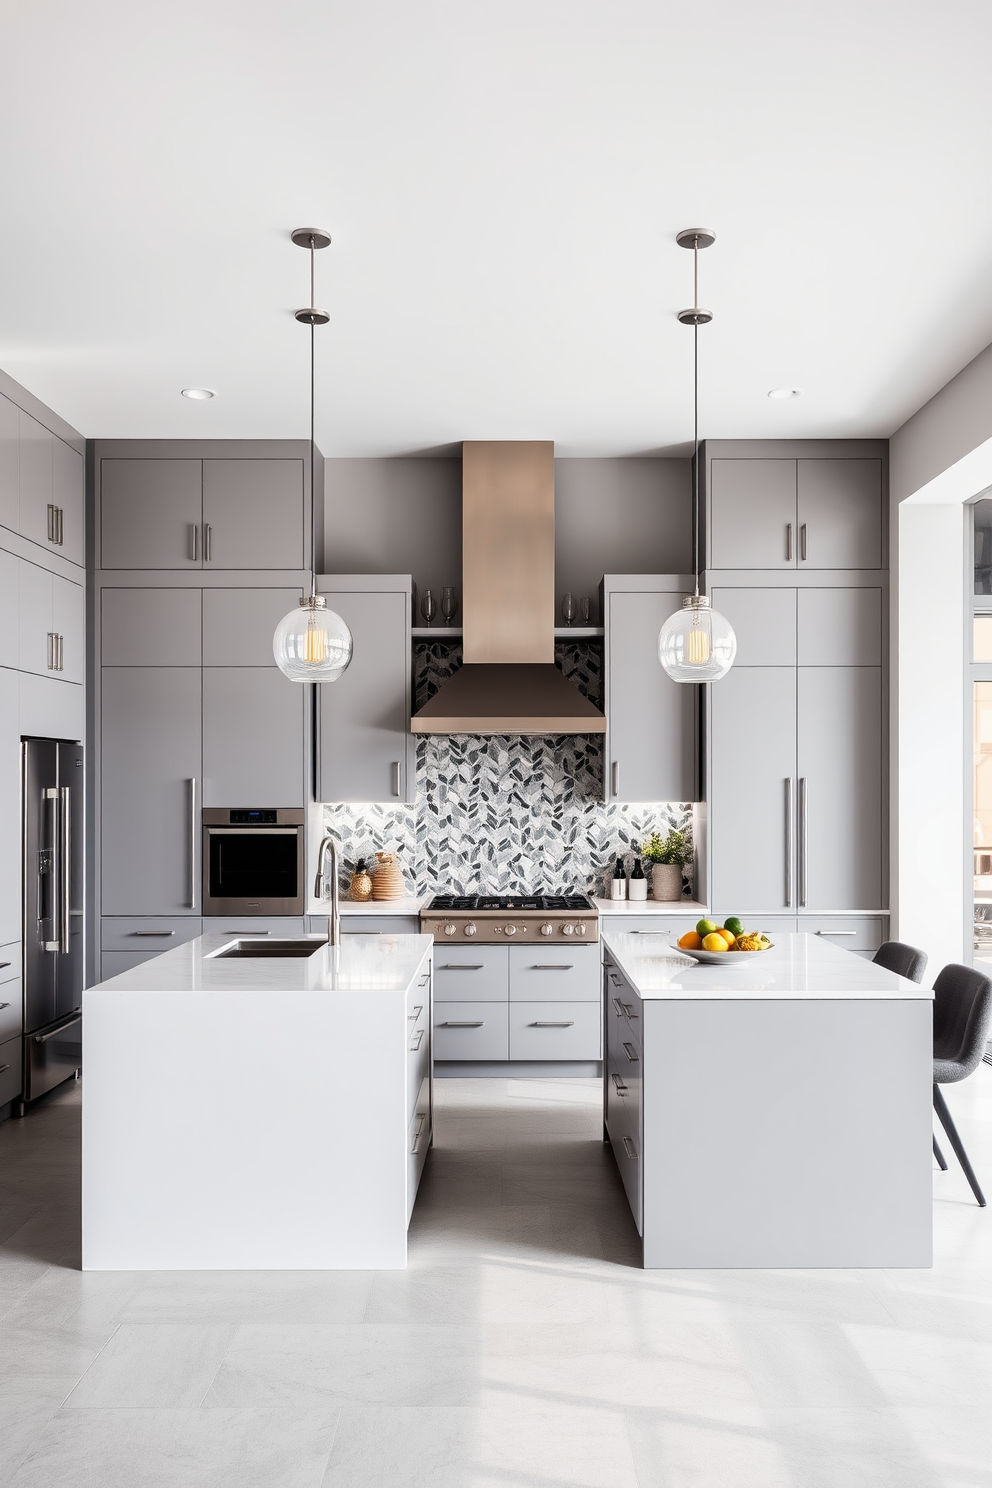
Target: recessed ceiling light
point(200, 395)
point(781, 394)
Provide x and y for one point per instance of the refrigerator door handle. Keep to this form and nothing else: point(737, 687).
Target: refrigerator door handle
point(49, 867)
point(65, 867)
point(42, 1038)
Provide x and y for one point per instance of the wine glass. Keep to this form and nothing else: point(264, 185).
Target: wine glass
point(568, 609)
point(585, 612)
point(428, 607)
point(449, 603)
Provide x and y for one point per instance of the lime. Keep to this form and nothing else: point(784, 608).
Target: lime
point(734, 925)
point(705, 927)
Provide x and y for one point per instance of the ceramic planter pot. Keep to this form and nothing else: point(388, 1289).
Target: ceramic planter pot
point(666, 881)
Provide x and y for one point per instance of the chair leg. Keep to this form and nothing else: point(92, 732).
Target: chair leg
point(939, 1156)
point(940, 1106)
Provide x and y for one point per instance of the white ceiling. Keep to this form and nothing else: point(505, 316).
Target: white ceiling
point(503, 182)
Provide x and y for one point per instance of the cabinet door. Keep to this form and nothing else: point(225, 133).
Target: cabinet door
point(9, 610)
point(35, 478)
point(651, 739)
point(10, 808)
point(35, 627)
point(254, 512)
point(365, 715)
point(840, 627)
point(69, 624)
point(764, 622)
point(253, 755)
point(68, 495)
point(150, 627)
point(752, 510)
point(9, 499)
point(151, 756)
point(840, 507)
point(840, 787)
point(238, 624)
point(150, 513)
point(753, 767)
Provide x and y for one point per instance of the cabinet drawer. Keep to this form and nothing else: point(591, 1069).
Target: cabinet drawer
point(470, 974)
point(628, 1155)
point(273, 926)
point(470, 1030)
point(861, 933)
point(352, 924)
point(10, 961)
point(659, 924)
point(418, 1141)
point(555, 1030)
point(152, 934)
point(11, 1021)
point(418, 1063)
point(10, 1070)
point(554, 973)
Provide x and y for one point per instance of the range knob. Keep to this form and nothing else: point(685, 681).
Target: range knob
point(470, 928)
point(568, 929)
point(449, 929)
point(509, 929)
point(547, 929)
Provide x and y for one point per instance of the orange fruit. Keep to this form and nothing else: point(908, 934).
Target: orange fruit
point(729, 937)
point(714, 942)
point(690, 941)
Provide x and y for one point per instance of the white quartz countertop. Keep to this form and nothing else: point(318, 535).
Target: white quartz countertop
point(686, 909)
point(364, 963)
point(384, 907)
point(798, 967)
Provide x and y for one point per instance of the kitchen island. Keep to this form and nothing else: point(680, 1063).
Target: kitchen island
point(266, 1113)
point(774, 1113)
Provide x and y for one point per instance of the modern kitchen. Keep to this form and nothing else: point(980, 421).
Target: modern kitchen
point(490, 914)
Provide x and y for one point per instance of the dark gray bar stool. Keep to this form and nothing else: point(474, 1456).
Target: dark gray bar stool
point(904, 960)
point(962, 1012)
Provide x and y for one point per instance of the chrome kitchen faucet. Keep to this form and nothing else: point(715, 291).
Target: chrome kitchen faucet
point(328, 849)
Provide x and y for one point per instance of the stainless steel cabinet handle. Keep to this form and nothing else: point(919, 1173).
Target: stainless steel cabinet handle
point(803, 839)
point(424, 979)
point(395, 769)
point(252, 933)
point(194, 542)
point(617, 981)
point(150, 934)
point(618, 1007)
point(836, 932)
point(416, 1141)
point(207, 534)
point(802, 542)
point(552, 966)
point(631, 1053)
point(192, 842)
point(616, 777)
point(2, 965)
point(65, 856)
point(459, 966)
point(42, 1038)
point(629, 1148)
point(451, 1024)
point(788, 543)
point(61, 653)
point(4, 1067)
point(61, 536)
point(51, 650)
point(621, 1087)
point(412, 1017)
point(628, 1011)
point(417, 1041)
point(554, 1025)
point(789, 843)
point(51, 523)
point(4, 1004)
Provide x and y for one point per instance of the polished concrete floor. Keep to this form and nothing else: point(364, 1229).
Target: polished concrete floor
point(523, 1347)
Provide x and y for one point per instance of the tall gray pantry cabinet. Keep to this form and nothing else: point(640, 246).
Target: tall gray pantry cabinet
point(795, 756)
point(199, 550)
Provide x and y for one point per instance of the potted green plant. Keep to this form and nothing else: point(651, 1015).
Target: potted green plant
point(667, 856)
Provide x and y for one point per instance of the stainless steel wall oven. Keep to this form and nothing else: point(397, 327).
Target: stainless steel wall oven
point(253, 861)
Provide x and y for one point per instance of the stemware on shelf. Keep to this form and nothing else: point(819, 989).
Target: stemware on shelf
point(449, 603)
point(568, 609)
point(428, 606)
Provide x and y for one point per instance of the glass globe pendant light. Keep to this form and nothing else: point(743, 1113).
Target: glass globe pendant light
point(697, 643)
point(312, 643)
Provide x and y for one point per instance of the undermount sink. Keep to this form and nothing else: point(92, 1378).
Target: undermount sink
point(277, 950)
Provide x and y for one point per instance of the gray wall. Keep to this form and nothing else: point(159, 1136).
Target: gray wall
point(403, 515)
point(954, 422)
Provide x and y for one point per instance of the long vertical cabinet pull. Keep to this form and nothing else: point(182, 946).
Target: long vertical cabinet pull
point(194, 542)
point(395, 772)
point(803, 841)
point(192, 842)
point(615, 777)
point(65, 868)
point(788, 543)
point(207, 535)
point(802, 542)
point(789, 843)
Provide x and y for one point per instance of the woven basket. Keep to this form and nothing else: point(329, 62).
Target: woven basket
point(388, 881)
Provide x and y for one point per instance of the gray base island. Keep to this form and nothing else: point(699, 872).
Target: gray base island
point(773, 1113)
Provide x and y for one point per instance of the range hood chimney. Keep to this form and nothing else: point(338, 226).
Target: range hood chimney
point(509, 683)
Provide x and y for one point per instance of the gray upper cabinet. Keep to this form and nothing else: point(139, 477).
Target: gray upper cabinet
point(365, 747)
point(41, 484)
point(650, 743)
point(784, 510)
point(253, 738)
point(253, 513)
point(10, 601)
point(68, 488)
point(839, 513)
point(35, 455)
point(9, 499)
point(150, 790)
point(752, 513)
point(150, 513)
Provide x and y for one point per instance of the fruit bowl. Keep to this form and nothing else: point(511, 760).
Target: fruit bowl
point(721, 958)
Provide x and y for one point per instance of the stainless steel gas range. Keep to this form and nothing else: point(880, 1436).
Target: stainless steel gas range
point(507, 919)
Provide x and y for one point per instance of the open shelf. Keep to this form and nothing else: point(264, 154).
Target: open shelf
point(453, 632)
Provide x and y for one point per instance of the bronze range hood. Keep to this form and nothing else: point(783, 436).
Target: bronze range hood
point(509, 683)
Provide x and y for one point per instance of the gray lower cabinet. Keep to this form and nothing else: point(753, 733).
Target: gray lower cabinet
point(10, 1070)
point(555, 1030)
point(253, 737)
point(471, 973)
point(150, 790)
point(147, 935)
point(471, 1030)
point(650, 742)
point(535, 1002)
point(365, 748)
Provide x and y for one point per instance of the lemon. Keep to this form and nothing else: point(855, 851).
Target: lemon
point(714, 942)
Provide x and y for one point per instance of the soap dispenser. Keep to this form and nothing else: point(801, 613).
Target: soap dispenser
point(618, 883)
point(637, 884)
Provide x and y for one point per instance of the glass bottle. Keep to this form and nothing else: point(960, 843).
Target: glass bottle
point(618, 883)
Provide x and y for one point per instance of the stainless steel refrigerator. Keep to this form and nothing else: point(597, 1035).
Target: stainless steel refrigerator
point(52, 806)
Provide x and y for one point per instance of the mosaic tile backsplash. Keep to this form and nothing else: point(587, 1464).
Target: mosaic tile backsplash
point(504, 813)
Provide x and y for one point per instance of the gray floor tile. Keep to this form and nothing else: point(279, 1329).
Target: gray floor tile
point(249, 1296)
point(154, 1364)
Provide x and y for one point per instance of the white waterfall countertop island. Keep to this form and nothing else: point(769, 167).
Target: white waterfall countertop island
point(769, 1113)
point(243, 1114)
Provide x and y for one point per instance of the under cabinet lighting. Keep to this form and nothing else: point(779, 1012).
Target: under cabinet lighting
point(782, 395)
point(199, 395)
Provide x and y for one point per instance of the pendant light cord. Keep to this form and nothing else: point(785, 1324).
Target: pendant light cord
point(695, 443)
point(313, 492)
